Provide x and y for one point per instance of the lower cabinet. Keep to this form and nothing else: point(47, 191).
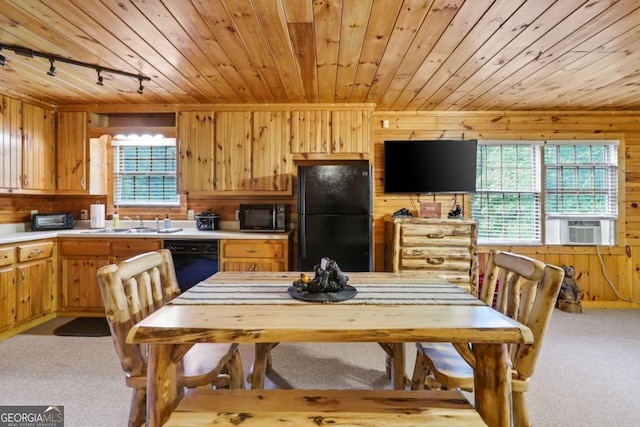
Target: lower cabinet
point(27, 282)
point(79, 261)
point(254, 255)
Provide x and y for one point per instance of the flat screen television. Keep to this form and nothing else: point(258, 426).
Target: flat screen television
point(435, 166)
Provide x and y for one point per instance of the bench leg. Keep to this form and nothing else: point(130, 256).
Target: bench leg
point(492, 384)
point(398, 380)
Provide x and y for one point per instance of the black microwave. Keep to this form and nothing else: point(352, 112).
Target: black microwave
point(263, 217)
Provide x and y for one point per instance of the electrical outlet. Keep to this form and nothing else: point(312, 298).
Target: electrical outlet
point(34, 211)
point(191, 214)
point(83, 214)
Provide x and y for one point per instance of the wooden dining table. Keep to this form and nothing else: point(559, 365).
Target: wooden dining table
point(389, 308)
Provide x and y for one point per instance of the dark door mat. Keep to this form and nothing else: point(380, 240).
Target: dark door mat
point(84, 327)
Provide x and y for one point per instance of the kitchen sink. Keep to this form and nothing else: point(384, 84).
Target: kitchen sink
point(147, 230)
point(143, 230)
point(123, 230)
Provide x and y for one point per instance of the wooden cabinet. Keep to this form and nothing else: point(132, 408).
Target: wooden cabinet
point(35, 280)
point(195, 151)
point(7, 286)
point(38, 149)
point(235, 152)
point(254, 255)
point(331, 132)
point(271, 165)
point(443, 248)
point(27, 282)
point(79, 262)
point(72, 152)
point(11, 142)
point(27, 157)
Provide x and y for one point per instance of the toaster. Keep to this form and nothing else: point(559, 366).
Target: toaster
point(207, 221)
point(52, 221)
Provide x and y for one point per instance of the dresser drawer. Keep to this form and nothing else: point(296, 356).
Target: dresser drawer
point(7, 256)
point(435, 235)
point(252, 249)
point(85, 247)
point(35, 251)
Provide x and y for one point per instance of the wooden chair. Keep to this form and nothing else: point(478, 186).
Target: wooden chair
point(131, 290)
point(527, 293)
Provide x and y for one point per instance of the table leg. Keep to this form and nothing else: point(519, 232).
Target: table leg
point(492, 384)
point(397, 367)
point(259, 368)
point(161, 384)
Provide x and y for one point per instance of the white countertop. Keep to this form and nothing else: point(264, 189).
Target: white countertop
point(20, 233)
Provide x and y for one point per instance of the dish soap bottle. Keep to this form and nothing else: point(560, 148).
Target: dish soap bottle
point(167, 222)
point(116, 220)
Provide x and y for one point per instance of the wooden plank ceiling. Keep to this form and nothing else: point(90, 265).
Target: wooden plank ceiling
point(402, 55)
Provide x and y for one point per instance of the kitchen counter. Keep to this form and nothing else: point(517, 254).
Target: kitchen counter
point(189, 231)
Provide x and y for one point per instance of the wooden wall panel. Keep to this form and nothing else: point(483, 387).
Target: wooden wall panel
point(310, 127)
point(621, 263)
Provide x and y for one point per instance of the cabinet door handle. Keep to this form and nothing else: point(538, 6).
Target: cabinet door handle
point(37, 251)
point(21, 275)
point(435, 236)
point(435, 261)
point(252, 251)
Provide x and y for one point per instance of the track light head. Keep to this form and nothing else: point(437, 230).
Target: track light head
point(140, 88)
point(52, 68)
point(3, 59)
point(99, 82)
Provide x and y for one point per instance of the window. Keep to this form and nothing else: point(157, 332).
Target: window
point(577, 180)
point(145, 171)
point(508, 193)
point(581, 179)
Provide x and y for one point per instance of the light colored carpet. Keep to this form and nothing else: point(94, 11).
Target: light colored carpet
point(587, 375)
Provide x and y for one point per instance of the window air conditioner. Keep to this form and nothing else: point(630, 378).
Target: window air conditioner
point(581, 232)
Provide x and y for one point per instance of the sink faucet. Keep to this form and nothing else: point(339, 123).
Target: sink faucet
point(133, 223)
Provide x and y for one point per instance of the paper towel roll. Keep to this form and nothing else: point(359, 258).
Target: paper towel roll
point(97, 216)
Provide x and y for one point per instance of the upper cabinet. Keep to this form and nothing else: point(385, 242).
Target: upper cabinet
point(334, 133)
point(235, 152)
point(39, 155)
point(72, 155)
point(27, 147)
point(10, 144)
point(195, 150)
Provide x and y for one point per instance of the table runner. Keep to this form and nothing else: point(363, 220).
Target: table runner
point(276, 293)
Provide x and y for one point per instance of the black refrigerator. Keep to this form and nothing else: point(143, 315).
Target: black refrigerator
point(334, 215)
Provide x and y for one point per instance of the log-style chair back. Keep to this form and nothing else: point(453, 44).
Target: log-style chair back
point(131, 290)
point(135, 288)
point(527, 292)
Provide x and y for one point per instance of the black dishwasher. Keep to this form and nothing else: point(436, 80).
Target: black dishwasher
point(194, 260)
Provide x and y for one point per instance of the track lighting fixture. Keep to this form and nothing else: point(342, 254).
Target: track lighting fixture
point(30, 53)
point(52, 68)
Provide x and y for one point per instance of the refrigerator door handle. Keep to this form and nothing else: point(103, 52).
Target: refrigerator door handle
point(303, 236)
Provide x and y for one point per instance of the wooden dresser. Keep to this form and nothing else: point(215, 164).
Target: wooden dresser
point(445, 248)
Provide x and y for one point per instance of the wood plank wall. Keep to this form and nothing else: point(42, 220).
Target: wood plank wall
point(595, 267)
point(621, 263)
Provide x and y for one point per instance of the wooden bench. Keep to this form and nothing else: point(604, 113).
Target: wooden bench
point(301, 408)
